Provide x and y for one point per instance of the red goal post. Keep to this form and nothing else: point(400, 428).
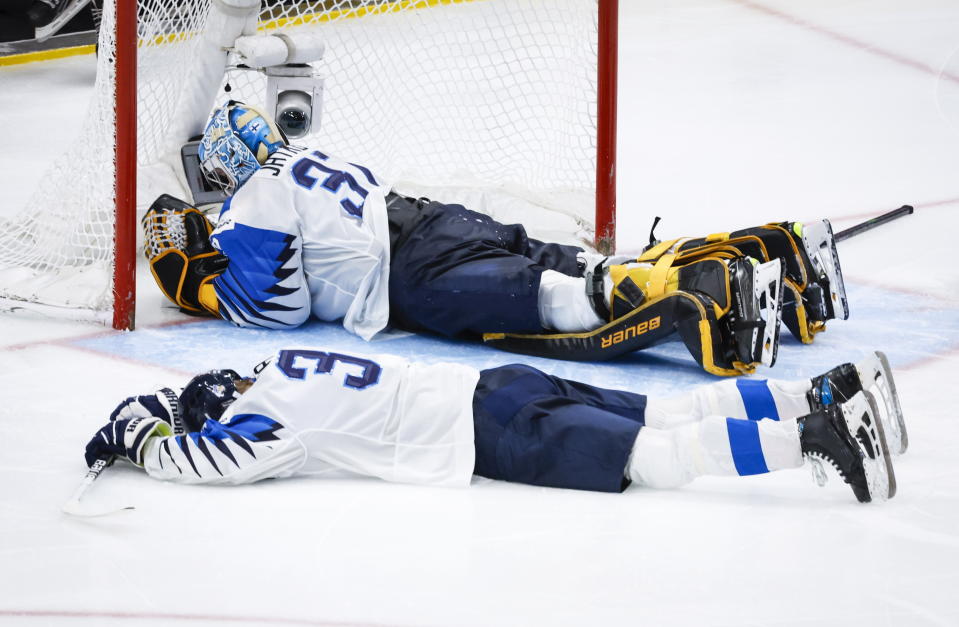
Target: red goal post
point(607, 70)
point(125, 221)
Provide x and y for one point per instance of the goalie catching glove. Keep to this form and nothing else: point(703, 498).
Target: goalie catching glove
point(182, 260)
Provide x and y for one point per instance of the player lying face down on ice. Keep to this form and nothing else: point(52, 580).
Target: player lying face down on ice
point(315, 412)
point(305, 233)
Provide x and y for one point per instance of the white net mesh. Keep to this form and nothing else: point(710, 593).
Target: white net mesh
point(163, 231)
point(486, 102)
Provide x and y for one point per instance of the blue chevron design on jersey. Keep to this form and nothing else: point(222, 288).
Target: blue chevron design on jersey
point(252, 427)
point(258, 264)
point(242, 429)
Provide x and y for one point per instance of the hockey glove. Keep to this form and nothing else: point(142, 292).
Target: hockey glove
point(125, 438)
point(182, 260)
point(164, 404)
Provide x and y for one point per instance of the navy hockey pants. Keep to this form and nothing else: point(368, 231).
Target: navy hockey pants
point(455, 271)
point(531, 427)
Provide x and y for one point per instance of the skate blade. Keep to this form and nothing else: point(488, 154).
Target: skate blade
point(861, 416)
point(884, 467)
point(876, 377)
point(767, 289)
point(821, 250)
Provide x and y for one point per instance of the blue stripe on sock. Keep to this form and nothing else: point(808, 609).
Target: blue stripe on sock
point(746, 447)
point(757, 398)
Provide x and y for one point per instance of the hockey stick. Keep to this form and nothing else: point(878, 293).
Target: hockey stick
point(73, 507)
point(873, 222)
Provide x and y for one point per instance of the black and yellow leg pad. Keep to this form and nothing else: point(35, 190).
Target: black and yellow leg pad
point(633, 284)
point(805, 300)
point(690, 314)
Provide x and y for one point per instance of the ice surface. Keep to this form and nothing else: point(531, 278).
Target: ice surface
point(731, 113)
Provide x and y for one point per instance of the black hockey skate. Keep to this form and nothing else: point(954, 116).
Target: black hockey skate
point(825, 293)
point(754, 319)
point(874, 376)
point(849, 437)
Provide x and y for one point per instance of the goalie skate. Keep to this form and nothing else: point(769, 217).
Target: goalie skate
point(850, 438)
point(756, 315)
point(820, 245)
point(874, 376)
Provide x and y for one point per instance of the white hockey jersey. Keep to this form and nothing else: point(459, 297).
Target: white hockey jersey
point(307, 233)
point(317, 412)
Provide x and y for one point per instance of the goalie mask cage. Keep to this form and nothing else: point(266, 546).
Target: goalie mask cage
point(493, 103)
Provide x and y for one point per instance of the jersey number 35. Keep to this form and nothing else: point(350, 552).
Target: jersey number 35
point(342, 183)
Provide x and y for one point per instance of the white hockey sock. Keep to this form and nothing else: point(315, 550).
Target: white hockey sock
point(736, 398)
point(563, 304)
point(669, 458)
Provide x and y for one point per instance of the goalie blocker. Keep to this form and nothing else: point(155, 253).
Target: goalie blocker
point(182, 260)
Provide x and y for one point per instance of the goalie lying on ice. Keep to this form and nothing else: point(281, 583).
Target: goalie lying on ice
point(312, 411)
point(305, 232)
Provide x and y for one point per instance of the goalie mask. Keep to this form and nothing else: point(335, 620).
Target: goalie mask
point(237, 141)
point(207, 396)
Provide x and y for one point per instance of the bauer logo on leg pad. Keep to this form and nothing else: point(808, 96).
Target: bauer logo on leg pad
point(621, 335)
point(641, 327)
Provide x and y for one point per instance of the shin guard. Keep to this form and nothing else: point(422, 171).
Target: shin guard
point(813, 284)
point(726, 309)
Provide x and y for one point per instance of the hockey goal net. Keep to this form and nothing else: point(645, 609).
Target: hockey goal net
point(505, 105)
